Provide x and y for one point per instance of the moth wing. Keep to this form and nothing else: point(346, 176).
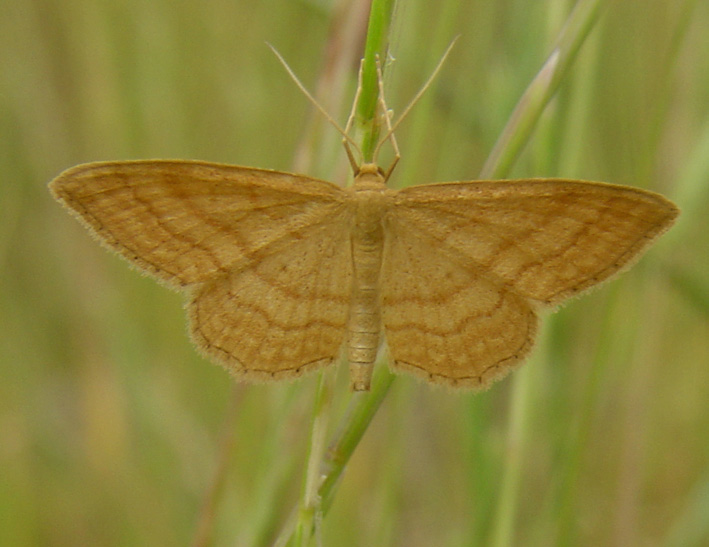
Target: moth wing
point(546, 239)
point(187, 221)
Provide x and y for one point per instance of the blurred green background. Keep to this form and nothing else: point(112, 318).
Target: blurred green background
point(112, 428)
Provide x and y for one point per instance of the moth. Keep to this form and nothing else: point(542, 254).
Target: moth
point(282, 271)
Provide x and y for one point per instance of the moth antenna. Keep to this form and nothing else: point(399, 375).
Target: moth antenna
point(329, 118)
point(416, 98)
point(386, 114)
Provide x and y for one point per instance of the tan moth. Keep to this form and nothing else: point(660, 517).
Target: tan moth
point(283, 270)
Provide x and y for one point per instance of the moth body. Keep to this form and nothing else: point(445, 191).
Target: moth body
point(364, 326)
